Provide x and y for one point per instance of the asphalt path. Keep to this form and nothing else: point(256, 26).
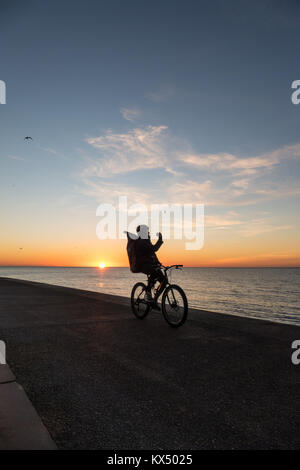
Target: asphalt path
point(101, 379)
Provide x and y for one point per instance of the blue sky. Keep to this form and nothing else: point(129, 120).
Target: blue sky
point(163, 100)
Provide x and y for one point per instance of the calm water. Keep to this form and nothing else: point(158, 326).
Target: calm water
point(266, 293)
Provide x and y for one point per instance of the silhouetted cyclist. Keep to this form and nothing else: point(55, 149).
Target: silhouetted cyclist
point(148, 262)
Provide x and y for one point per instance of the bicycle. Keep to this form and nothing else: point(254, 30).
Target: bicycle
point(174, 304)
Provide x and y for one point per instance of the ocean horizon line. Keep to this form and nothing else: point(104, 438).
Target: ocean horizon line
point(127, 267)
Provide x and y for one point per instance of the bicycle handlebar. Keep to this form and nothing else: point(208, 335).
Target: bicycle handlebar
point(176, 266)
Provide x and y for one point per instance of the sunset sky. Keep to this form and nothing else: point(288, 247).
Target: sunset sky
point(161, 101)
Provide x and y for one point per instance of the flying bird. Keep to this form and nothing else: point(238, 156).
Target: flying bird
point(28, 137)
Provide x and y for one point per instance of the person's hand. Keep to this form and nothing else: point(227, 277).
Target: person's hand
point(159, 235)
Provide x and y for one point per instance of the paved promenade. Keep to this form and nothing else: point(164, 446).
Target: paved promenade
point(20, 426)
point(101, 379)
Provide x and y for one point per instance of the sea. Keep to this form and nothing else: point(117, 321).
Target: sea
point(264, 293)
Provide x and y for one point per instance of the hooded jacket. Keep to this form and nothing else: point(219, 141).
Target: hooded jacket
point(145, 251)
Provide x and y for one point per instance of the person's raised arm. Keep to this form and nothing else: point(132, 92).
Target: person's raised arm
point(159, 242)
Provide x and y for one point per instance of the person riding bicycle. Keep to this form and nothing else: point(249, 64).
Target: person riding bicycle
point(148, 262)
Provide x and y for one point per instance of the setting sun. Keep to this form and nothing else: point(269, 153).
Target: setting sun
point(102, 265)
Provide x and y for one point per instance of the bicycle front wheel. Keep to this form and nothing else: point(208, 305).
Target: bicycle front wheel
point(174, 305)
point(139, 305)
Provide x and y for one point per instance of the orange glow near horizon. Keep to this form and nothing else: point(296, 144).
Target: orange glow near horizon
point(79, 247)
point(215, 253)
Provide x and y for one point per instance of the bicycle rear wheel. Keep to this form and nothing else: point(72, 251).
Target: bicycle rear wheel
point(174, 305)
point(139, 306)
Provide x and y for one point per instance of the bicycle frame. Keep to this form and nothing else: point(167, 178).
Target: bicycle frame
point(174, 304)
point(165, 271)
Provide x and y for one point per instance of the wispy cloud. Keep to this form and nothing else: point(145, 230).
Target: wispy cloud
point(229, 162)
point(185, 176)
point(260, 226)
point(267, 258)
point(47, 149)
point(246, 227)
point(160, 96)
point(130, 114)
point(188, 191)
point(221, 221)
point(15, 157)
point(240, 165)
point(108, 192)
point(138, 149)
